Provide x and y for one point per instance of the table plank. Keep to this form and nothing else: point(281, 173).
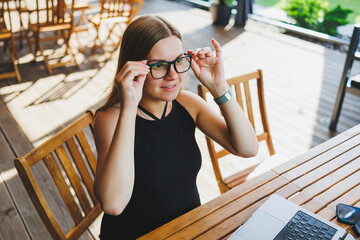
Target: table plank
point(308, 166)
point(318, 150)
point(325, 177)
point(345, 175)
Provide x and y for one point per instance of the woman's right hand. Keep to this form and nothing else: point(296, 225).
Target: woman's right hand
point(130, 81)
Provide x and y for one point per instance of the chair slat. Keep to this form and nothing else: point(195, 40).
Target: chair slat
point(63, 188)
point(239, 95)
point(76, 233)
point(87, 150)
point(74, 179)
point(59, 138)
point(248, 103)
point(75, 154)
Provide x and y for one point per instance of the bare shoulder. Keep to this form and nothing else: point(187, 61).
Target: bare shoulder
point(188, 97)
point(105, 122)
point(191, 101)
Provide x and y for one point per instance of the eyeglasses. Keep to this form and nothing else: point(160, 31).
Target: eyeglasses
point(349, 215)
point(161, 69)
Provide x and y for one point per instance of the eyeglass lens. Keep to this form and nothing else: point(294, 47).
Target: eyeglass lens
point(161, 69)
point(348, 214)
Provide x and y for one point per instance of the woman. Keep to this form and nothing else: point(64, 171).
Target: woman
point(148, 158)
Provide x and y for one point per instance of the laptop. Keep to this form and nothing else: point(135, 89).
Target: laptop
point(280, 219)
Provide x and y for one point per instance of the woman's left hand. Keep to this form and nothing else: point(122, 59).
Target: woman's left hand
point(209, 69)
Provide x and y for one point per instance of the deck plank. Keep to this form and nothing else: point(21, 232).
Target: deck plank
point(11, 226)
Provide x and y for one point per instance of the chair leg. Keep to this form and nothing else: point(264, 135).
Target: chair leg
point(222, 187)
point(30, 42)
point(14, 61)
point(96, 38)
point(115, 44)
point(14, 58)
point(101, 44)
point(68, 49)
point(111, 34)
point(270, 146)
point(81, 49)
point(46, 61)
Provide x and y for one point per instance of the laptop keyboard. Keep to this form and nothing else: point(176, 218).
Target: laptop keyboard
point(304, 227)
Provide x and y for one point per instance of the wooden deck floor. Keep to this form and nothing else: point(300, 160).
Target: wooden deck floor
point(301, 81)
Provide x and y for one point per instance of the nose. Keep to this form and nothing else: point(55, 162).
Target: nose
point(172, 73)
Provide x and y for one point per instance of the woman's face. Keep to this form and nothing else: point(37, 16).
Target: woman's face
point(168, 87)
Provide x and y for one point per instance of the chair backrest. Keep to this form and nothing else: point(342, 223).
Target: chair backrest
point(72, 164)
point(52, 12)
point(245, 100)
point(5, 19)
point(120, 8)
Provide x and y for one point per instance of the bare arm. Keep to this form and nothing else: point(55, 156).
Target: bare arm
point(233, 131)
point(114, 133)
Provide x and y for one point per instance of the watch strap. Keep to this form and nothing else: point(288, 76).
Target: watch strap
point(224, 98)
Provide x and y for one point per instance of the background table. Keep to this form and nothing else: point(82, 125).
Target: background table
point(316, 180)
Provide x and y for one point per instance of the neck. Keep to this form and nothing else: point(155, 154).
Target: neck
point(156, 108)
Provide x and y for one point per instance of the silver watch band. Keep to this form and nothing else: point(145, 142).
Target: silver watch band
point(224, 98)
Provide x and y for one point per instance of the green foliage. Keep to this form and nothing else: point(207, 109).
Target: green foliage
point(314, 14)
point(230, 3)
point(333, 19)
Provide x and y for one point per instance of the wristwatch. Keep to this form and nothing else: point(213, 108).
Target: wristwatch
point(224, 98)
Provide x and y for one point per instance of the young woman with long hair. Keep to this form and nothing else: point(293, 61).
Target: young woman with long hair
point(148, 159)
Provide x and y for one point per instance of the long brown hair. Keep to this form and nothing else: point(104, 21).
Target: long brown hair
point(138, 40)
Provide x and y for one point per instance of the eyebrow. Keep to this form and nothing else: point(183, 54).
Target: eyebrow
point(163, 60)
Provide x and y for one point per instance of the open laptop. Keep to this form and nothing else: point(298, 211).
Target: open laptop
point(280, 219)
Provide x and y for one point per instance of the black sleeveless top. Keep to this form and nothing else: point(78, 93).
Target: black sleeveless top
point(167, 161)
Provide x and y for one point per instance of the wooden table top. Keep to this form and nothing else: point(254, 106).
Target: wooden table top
point(316, 180)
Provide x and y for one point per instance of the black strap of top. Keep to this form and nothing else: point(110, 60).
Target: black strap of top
point(152, 115)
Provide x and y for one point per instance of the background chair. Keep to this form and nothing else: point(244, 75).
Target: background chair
point(81, 23)
point(7, 37)
point(114, 13)
point(216, 152)
point(72, 165)
point(349, 83)
point(51, 16)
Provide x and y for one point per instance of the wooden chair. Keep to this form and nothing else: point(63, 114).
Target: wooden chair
point(72, 165)
point(215, 152)
point(7, 37)
point(51, 16)
point(114, 13)
point(82, 23)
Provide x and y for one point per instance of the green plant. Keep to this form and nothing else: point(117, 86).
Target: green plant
point(228, 3)
point(314, 14)
point(333, 19)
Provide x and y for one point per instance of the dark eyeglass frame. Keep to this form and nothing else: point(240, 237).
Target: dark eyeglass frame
point(169, 66)
point(341, 216)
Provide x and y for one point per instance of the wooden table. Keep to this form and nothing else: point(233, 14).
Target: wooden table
point(317, 180)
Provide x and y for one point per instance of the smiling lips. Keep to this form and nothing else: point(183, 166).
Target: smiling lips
point(170, 86)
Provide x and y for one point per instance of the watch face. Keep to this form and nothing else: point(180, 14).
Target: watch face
point(224, 98)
